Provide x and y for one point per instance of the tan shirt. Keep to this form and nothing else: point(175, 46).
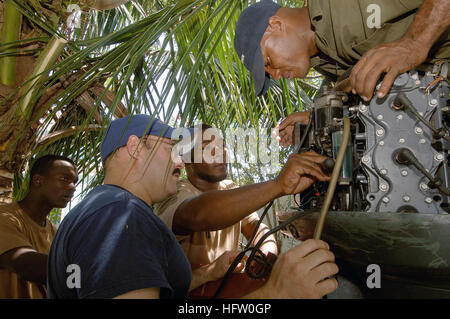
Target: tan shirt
point(17, 229)
point(343, 34)
point(202, 247)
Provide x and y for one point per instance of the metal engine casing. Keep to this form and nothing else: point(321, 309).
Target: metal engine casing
point(373, 177)
point(393, 187)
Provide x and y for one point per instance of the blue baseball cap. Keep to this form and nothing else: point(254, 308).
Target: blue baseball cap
point(121, 129)
point(250, 28)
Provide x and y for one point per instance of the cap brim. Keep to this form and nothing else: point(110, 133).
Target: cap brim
point(261, 80)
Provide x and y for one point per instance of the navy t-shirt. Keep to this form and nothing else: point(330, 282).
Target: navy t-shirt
point(112, 243)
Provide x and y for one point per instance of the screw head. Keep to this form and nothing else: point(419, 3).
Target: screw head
point(428, 200)
point(417, 82)
point(418, 130)
point(385, 199)
point(399, 117)
point(404, 172)
point(381, 143)
point(380, 117)
point(422, 141)
point(423, 186)
point(362, 108)
point(380, 132)
point(401, 141)
point(366, 159)
point(439, 157)
point(406, 198)
point(433, 102)
point(383, 171)
point(383, 187)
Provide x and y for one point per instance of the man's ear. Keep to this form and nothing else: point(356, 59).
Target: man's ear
point(134, 145)
point(276, 23)
point(37, 180)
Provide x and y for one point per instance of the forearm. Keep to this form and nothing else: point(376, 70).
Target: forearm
point(260, 293)
point(269, 244)
point(201, 276)
point(220, 209)
point(431, 21)
point(29, 264)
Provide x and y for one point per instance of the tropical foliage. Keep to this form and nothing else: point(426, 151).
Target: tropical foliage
point(63, 82)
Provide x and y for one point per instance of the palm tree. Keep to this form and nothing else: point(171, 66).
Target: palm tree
point(62, 83)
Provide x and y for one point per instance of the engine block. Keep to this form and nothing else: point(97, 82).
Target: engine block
point(397, 157)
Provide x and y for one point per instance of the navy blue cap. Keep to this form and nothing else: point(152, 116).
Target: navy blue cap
point(250, 28)
point(121, 129)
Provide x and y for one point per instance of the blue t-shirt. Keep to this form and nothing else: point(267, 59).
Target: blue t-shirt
point(112, 243)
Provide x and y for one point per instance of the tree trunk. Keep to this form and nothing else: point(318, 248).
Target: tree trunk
point(14, 140)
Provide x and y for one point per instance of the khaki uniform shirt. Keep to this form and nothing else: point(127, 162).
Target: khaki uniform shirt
point(202, 247)
point(343, 34)
point(17, 229)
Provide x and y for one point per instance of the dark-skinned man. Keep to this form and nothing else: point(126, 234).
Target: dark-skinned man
point(336, 36)
point(25, 231)
point(207, 226)
point(208, 212)
point(123, 250)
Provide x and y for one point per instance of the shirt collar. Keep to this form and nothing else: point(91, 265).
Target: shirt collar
point(315, 10)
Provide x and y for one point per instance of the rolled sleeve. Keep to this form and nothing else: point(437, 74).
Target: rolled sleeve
point(11, 233)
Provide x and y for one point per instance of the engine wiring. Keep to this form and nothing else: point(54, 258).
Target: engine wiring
point(256, 255)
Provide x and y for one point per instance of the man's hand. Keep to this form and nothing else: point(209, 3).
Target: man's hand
point(302, 272)
point(300, 172)
point(219, 267)
point(286, 128)
point(391, 59)
point(431, 21)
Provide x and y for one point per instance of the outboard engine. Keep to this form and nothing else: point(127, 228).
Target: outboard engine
point(391, 203)
point(397, 158)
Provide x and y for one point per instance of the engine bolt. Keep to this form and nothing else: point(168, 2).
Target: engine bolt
point(422, 141)
point(383, 171)
point(380, 132)
point(433, 102)
point(404, 172)
point(380, 117)
point(399, 117)
point(362, 108)
point(418, 130)
point(423, 186)
point(417, 82)
point(366, 159)
point(401, 141)
point(406, 198)
point(439, 157)
point(428, 200)
point(381, 143)
point(385, 199)
point(383, 187)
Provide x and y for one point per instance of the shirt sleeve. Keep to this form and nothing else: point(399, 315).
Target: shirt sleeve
point(166, 209)
point(253, 217)
point(11, 233)
point(118, 250)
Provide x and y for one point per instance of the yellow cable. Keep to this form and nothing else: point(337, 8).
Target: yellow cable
point(334, 178)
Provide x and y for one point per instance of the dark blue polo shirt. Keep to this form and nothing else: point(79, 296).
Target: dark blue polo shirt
point(117, 245)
